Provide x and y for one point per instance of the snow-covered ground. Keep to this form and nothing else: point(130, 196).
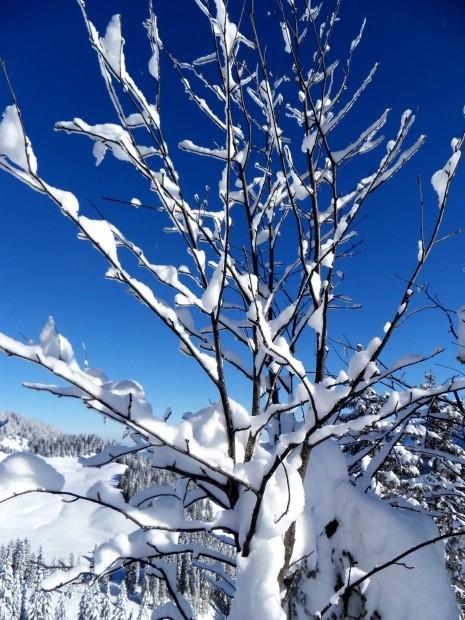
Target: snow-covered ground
point(62, 527)
point(57, 524)
point(13, 444)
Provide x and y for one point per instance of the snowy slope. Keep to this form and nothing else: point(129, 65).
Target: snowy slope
point(62, 527)
point(59, 526)
point(14, 444)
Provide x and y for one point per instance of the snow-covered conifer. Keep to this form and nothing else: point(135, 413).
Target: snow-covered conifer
point(35, 604)
point(60, 609)
point(9, 595)
point(106, 606)
point(132, 577)
point(24, 610)
point(145, 604)
point(21, 558)
point(89, 604)
point(47, 606)
point(121, 604)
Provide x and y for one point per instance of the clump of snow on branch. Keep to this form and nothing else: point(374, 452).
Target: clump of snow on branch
point(14, 144)
point(21, 472)
point(55, 345)
point(112, 45)
point(461, 334)
point(442, 178)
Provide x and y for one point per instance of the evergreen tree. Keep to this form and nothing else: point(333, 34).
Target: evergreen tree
point(21, 557)
point(106, 606)
point(132, 578)
point(120, 611)
point(5, 614)
point(60, 610)
point(184, 575)
point(139, 474)
point(89, 605)
point(17, 594)
point(47, 607)
point(30, 568)
point(9, 598)
point(24, 611)
point(153, 586)
point(36, 601)
point(144, 610)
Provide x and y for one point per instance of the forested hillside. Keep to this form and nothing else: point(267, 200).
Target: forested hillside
point(18, 432)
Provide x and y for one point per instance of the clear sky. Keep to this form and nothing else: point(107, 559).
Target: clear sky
point(45, 270)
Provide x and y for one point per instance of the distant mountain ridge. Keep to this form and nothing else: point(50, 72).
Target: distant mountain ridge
point(19, 433)
point(14, 424)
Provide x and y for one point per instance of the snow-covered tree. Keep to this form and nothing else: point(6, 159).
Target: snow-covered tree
point(132, 577)
point(10, 588)
point(47, 606)
point(37, 598)
point(89, 604)
point(289, 472)
point(144, 609)
point(106, 606)
point(24, 610)
point(21, 559)
point(121, 604)
point(60, 609)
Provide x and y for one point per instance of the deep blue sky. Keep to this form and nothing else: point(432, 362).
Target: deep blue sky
point(45, 270)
